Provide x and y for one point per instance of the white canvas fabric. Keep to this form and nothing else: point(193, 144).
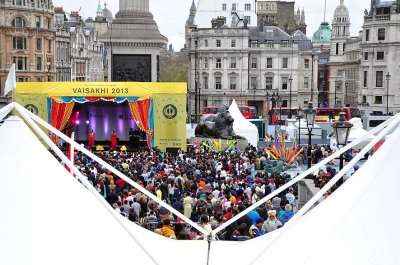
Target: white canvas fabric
point(49, 218)
point(242, 126)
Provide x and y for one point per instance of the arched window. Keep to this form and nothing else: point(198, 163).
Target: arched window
point(18, 22)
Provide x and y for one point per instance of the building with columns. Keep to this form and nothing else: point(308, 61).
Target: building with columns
point(340, 35)
point(245, 64)
point(27, 38)
point(133, 43)
point(380, 73)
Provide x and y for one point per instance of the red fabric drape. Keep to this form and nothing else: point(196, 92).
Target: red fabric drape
point(60, 115)
point(140, 111)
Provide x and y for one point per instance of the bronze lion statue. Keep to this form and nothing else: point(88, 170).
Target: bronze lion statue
point(219, 125)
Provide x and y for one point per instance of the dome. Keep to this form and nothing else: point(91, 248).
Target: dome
point(323, 34)
point(341, 10)
point(107, 14)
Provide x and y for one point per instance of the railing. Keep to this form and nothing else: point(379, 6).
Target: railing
point(382, 18)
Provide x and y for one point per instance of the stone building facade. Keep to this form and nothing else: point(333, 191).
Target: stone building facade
point(245, 64)
point(27, 38)
point(235, 12)
point(281, 14)
point(63, 46)
point(380, 56)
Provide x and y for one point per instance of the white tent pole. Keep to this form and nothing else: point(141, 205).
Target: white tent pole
point(82, 178)
point(5, 110)
point(304, 174)
point(72, 151)
point(113, 170)
point(329, 185)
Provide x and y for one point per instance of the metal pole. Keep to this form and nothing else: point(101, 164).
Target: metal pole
point(290, 98)
point(71, 151)
point(335, 94)
point(341, 162)
point(299, 131)
point(387, 97)
point(309, 148)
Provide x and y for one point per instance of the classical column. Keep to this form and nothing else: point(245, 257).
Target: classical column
point(138, 5)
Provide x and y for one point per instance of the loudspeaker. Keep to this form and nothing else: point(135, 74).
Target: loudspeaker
point(173, 150)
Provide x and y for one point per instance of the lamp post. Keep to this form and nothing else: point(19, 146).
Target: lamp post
point(342, 130)
point(309, 113)
point(290, 96)
point(299, 116)
point(48, 66)
point(323, 91)
point(279, 104)
point(346, 103)
point(336, 82)
point(387, 92)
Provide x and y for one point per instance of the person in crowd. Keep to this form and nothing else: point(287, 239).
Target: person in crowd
point(286, 215)
point(271, 223)
point(113, 140)
point(91, 137)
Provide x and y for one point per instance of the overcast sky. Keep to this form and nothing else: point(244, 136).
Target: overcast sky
point(171, 15)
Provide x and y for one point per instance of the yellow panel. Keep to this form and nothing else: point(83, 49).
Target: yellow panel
point(100, 89)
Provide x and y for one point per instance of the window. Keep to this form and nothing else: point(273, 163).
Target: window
point(206, 43)
point(269, 62)
point(233, 7)
point(49, 21)
point(224, 7)
point(306, 82)
point(367, 35)
point(18, 2)
point(19, 43)
point(365, 56)
point(205, 62)
point(253, 83)
point(38, 63)
point(233, 43)
point(337, 48)
point(269, 82)
point(364, 99)
point(205, 82)
point(285, 62)
point(18, 22)
point(284, 103)
point(37, 21)
point(338, 85)
point(379, 78)
point(285, 82)
point(378, 100)
point(380, 55)
point(381, 34)
point(218, 85)
point(49, 45)
point(232, 82)
point(339, 72)
point(218, 63)
point(253, 63)
point(306, 63)
point(247, 7)
point(39, 44)
point(20, 63)
point(233, 63)
point(218, 43)
point(365, 82)
point(248, 19)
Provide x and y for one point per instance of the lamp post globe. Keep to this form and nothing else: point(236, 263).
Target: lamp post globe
point(342, 130)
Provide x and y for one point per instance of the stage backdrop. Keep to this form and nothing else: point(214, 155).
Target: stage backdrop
point(169, 101)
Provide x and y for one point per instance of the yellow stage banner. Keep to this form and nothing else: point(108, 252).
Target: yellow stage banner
point(35, 103)
point(100, 89)
point(170, 121)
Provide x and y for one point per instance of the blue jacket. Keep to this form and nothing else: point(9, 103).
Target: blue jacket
point(285, 216)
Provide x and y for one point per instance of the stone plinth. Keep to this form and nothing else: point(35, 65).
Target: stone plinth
point(240, 143)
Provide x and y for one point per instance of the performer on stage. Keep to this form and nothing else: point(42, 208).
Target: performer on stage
point(91, 139)
point(131, 137)
point(113, 140)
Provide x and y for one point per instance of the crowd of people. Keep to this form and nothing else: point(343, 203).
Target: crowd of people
point(209, 188)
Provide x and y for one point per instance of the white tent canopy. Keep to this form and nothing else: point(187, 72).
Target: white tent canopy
point(50, 218)
point(242, 126)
